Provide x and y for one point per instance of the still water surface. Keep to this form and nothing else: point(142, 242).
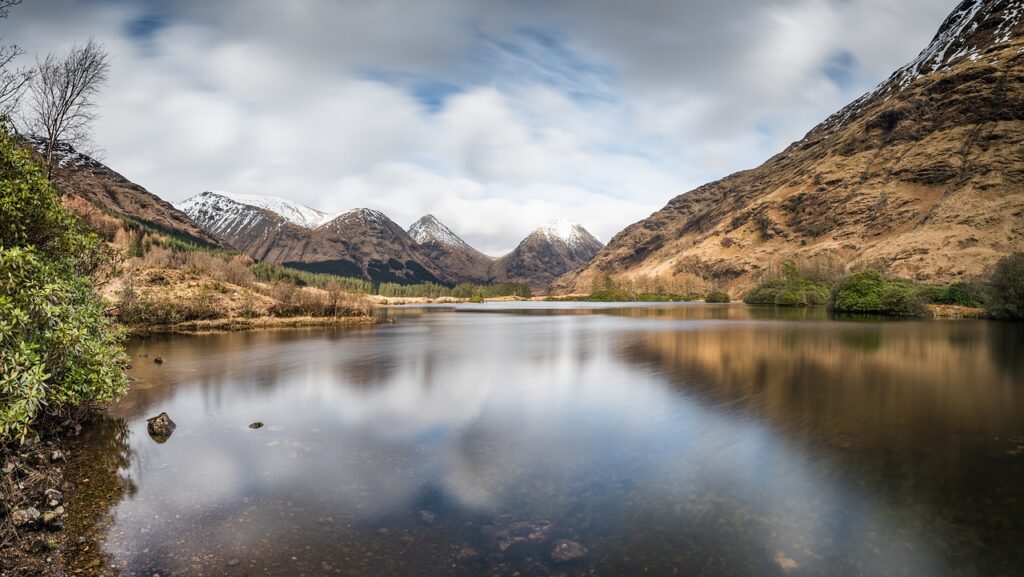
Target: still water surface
point(666, 440)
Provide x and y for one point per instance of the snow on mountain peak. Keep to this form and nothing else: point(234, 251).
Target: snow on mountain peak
point(293, 212)
point(564, 230)
point(363, 215)
point(429, 229)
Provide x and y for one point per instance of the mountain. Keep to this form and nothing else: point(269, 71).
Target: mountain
point(449, 252)
point(922, 177)
point(546, 254)
point(79, 175)
point(359, 243)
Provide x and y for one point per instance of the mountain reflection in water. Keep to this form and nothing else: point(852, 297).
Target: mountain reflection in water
point(667, 440)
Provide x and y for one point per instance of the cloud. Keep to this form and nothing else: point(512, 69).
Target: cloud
point(495, 117)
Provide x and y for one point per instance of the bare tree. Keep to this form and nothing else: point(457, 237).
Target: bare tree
point(12, 81)
point(61, 98)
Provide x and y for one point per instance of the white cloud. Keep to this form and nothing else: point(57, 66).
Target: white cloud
point(495, 117)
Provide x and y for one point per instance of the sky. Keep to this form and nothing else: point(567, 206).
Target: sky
point(495, 116)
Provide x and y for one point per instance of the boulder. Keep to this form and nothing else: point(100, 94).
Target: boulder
point(161, 425)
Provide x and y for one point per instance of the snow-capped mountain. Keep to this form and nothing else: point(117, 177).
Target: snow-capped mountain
point(228, 206)
point(547, 253)
point(451, 253)
point(430, 230)
point(366, 243)
point(358, 243)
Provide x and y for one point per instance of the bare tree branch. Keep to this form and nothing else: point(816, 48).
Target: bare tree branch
point(61, 103)
point(12, 82)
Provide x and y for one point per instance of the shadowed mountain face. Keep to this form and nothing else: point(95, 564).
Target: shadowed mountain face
point(80, 175)
point(359, 243)
point(366, 243)
point(449, 252)
point(923, 177)
point(547, 253)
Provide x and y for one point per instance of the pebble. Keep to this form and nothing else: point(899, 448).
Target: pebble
point(566, 551)
point(233, 562)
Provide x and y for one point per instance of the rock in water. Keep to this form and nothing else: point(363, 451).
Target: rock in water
point(161, 425)
point(256, 425)
point(159, 360)
point(566, 551)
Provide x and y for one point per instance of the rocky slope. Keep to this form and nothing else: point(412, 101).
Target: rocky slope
point(546, 254)
point(77, 174)
point(366, 243)
point(923, 177)
point(449, 252)
point(359, 243)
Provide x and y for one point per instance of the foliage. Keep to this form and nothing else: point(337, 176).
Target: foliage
point(794, 288)
point(870, 292)
point(1006, 288)
point(58, 351)
point(466, 291)
point(271, 273)
point(717, 297)
point(617, 295)
point(612, 295)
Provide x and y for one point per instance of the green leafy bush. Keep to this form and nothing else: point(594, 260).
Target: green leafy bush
point(1006, 288)
point(717, 297)
point(58, 350)
point(870, 292)
point(793, 289)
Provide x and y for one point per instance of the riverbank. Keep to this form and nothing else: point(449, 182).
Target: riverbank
point(35, 496)
point(232, 324)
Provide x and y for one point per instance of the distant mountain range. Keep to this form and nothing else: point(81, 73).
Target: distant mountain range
point(922, 177)
point(366, 243)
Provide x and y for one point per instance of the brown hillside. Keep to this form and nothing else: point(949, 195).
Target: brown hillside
point(923, 177)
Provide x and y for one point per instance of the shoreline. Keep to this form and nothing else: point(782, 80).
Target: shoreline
point(237, 324)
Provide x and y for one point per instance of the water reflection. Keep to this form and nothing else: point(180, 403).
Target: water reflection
point(685, 440)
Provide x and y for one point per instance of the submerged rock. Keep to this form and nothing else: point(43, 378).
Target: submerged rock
point(566, 551)
point(161, 425)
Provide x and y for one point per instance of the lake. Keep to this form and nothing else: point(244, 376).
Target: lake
point(559, 438)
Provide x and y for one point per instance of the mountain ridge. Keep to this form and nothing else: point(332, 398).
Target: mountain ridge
point(926, 166)
point(365, 242)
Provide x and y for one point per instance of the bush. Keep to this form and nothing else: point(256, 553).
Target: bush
point(1006, 288)
point(58, 351)
point(793, 289)
point(860, 293)
point(717, 297)
point(870, 292)
point(611, 296)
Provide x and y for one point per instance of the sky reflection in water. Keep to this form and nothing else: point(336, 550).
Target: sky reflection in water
point(672, 440)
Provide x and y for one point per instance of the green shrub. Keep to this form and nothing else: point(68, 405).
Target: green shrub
point(1006, 288)
point(793, 289)
point(963, 294)
point(58, 350)
point(765, 293)
point(860, 293)
point(717, 297)
point(791, 297)
point(612, 296)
